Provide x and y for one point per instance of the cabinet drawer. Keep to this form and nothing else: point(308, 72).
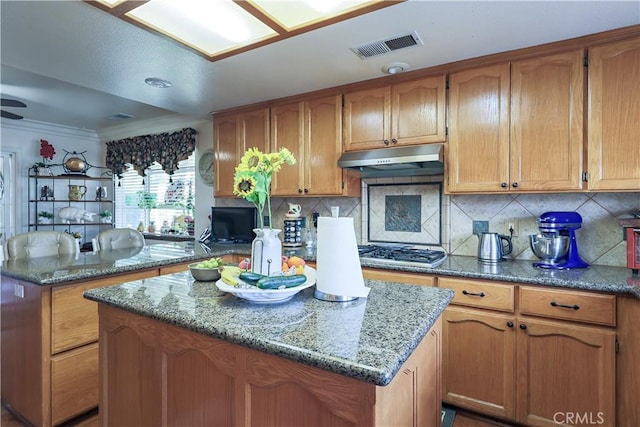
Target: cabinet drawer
point(568, 305)
point(395, 276)
point(473, 293)
point(74, 319)
point(74, 383)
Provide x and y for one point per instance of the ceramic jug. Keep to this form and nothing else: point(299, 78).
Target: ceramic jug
point(294, 210)
point(266, 252)
point(76, 192)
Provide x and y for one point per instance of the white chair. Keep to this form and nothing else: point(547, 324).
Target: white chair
point(40, 243)
point(119, 238)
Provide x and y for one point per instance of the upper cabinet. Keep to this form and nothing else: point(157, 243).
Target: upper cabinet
point(478, 148)
point(406, 113)
point(517, 127)
point(312, 131)
point(614, 112)
point(233, 134)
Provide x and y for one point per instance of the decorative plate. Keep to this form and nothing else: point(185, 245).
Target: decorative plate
point(268, 296)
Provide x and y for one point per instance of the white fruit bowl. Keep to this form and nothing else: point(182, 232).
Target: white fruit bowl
point(267, 296)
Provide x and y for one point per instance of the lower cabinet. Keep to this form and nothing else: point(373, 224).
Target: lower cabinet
point(50, 347)
point(548, 367)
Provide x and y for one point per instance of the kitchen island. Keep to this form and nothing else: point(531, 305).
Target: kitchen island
point(179, 352)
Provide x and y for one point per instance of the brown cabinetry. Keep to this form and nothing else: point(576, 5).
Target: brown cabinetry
point(153, 373)
point(406, 113)
point(310, 129)
point(517, 127)
point(233, 134)
point(614, 108)
point(500, 358)
point(50, 348)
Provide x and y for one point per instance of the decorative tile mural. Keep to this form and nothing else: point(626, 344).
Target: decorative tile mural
point(405, 213)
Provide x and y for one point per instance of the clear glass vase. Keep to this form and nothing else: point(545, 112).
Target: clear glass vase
point(266, 252)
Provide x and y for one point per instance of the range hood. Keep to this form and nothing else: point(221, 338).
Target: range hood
point(425, 159)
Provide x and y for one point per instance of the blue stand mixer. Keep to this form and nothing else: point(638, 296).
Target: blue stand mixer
point(556, 243)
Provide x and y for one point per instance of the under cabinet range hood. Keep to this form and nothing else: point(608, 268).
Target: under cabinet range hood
point(425, 159)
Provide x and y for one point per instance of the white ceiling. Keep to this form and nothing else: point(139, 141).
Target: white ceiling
point(75, 65)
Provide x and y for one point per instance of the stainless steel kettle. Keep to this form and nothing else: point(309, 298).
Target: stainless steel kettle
point(492, 247)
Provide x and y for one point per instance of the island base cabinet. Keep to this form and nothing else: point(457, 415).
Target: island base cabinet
point(152, 373)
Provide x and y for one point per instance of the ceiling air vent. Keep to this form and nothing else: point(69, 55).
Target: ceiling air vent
point(381, 47)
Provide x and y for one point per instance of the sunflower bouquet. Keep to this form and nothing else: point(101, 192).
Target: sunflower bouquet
point(252, 179)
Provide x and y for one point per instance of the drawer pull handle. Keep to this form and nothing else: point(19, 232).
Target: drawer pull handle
point(481, 294)
point(574, 306)
point(510, 324)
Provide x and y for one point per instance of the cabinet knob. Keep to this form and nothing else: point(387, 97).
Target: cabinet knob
point(510, 324)
point(299, 190)
point(386, 142)
point(514, 185)
point(306, 190)
point(523, 326)
point(504, 185)
point(393, 140)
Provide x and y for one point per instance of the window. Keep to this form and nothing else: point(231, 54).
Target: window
point(161, 198)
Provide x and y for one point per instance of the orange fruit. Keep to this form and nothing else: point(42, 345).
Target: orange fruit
point(285, 267)
point(296, 261)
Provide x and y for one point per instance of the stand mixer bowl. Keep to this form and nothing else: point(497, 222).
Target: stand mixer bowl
point(551, 249)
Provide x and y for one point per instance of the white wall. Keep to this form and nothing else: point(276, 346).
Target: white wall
point(23, 139)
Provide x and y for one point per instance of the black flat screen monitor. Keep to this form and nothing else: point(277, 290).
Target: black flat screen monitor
point(233, 225)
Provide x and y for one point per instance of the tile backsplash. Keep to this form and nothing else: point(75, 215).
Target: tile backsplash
point(600, 240)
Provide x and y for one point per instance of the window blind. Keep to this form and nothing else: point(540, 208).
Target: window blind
point(155, 197)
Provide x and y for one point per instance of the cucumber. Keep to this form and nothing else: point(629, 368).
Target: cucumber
point(250, 278)
point(281, 282)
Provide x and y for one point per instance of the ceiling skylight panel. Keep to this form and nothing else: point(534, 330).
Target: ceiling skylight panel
point(292, 14)
point(208, 26)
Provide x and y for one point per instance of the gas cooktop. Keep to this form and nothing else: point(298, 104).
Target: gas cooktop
point(402, 254)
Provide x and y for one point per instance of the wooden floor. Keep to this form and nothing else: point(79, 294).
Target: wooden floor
point(461, 420)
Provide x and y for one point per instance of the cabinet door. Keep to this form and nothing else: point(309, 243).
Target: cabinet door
point(565, 371)
point(233, 134)
point(478, 365)
point(227, 152)
point(547, 122)
point(417, 111)
point(367, 115)
point(254, 131)
point(323, 146)
point(614, 108)
point(478, 148)
point(286, 132)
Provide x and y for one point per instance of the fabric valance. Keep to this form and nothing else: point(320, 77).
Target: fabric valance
point(141, 151)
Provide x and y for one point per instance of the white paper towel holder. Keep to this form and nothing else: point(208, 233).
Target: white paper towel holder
point(324, 296)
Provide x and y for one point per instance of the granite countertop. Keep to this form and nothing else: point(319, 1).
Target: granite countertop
point(367, 339)
point(598, 278)
point(90, 265)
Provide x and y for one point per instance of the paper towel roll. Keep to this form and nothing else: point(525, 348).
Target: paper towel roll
point(338, 263)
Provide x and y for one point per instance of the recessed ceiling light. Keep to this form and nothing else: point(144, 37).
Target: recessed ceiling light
point(157, 82)
point(395, 68)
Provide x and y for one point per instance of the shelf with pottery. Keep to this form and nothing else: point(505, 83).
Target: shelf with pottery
point(70, 203)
